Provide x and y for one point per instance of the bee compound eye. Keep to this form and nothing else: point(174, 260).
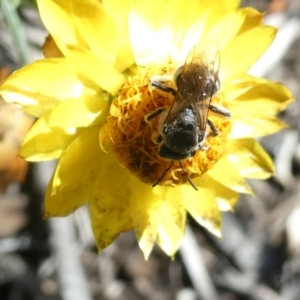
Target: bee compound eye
point(200, 137)
point(211, 87)
point(208, 90)
point(217, 85)
point(177, 76)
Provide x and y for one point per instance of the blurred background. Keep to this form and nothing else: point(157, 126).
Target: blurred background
point(56, 259)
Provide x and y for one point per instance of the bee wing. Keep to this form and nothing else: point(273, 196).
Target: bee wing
point(181, 101)
point(205, 93)
point(198, 83)
point(184, 97)
point(201, 108)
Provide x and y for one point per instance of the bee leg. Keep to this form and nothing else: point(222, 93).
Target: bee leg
point(161, 86)
point(220, 110)
point(149, 117)
point(212, 127)
point(163, 175)
point(187, 176)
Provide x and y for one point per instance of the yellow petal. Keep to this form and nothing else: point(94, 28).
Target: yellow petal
point(226, 198)
point(203, 207)
point(97, 28)
point(62, 204)
point(259, 94)
point(96, 69)
point(32, 103)
point(172, 217)
point(83, 174)
point(147, 11)
point(144, 205)
point(249, 122)
point(118, 10)
point(222, 7)
point(91, 109)
point(150, 45)
point(230, 24)
point(256, 101)
point(218, 9)
point(191, 37)
point(250, 159)
point(184, 16)
point(240, 54)
point(154, 32)
point(110, 202)
point(253, 18)
point(108, 222)
point(40, 85)
point(159, 215)
point(43, 142)
point(125, 57)
point(57, 17)
point(80, 164)
point(227, 174)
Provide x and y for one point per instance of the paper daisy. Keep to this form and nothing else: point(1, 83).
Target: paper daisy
point(109, 66)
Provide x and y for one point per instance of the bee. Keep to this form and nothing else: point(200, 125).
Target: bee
point(183, 126)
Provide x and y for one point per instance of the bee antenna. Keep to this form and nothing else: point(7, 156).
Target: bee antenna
point(187, 176)
point(162, 176)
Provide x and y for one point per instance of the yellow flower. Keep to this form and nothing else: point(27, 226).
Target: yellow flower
point(91, 96)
